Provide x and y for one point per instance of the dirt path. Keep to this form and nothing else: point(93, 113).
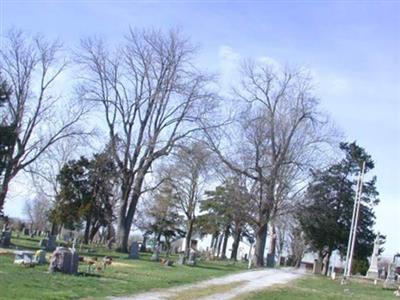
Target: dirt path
point(223, 288)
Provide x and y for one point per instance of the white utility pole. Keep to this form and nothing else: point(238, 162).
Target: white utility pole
point(354, 222)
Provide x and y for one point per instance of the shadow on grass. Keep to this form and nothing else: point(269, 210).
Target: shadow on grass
point(86, 274)
point(98, 255)
point(209, 267)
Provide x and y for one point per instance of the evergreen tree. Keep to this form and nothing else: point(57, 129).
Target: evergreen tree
point(326, 219)
point(227, 211)
point(165, 220)
point(85, 195)
point(5, 92)
point(7, 135)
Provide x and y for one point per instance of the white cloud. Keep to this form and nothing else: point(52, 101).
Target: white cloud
point(271, 62)
point(229, 65)
point(388, 222)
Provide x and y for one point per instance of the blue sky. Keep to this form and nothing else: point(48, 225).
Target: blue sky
point(351, 47)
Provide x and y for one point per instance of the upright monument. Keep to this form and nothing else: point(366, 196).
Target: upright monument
point(373, 267)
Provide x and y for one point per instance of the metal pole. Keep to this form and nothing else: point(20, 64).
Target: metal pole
point(351, 228)
point(356, 221)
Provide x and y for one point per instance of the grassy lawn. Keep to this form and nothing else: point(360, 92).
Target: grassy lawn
point(321, 288)
point(124, 276)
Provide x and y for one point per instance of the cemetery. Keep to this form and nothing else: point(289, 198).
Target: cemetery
point(199, 150)
point(116, 274)
point(74, 272)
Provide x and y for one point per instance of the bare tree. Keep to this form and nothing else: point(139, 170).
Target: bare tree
point(281, 133)
point(38, 118)
point(282, 239)
point(152, 97)
point(188, 175)
point(37, 211)
point(297, 244)
point(44, 170)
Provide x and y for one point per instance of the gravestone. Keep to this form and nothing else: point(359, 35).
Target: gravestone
point(325, 264)
point(26, 231)
point(373, 267)
point(270, 260)
point(5, 239)
point(40, 257)
point(64, 260)
point(181, 259)
point(192, 258)
point(23, 257)
point(43, 243)
point(74, 244)
point(317, 267)
point(134, 252)
point(74, 262)
point(156, 254)
point(390, 282)
point(51, 243)
point(282, 261)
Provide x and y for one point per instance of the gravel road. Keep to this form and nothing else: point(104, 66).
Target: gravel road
point(249, 281)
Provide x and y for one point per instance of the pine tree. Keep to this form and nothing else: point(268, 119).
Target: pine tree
point(326, 220)
point(85, 195)
point(165, 220)
point(7, 131)
point(227, 211)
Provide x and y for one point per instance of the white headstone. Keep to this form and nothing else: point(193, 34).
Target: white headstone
point(373, 267)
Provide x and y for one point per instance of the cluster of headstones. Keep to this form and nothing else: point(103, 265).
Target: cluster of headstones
point(62, 260)
point(191, 260)
point(33, 233)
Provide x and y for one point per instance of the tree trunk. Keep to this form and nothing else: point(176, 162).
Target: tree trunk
point(143, 246)
point(272, 249)
point(188, 238)
point(219, 244)
point(213, 240)
point(93, 232)
point(261, 237)
point(158, 237)
point(54, 228)
point(3, 195)
point(297, 262)
point(126, 212)
point(122, 235)
point(225, 243)
point(4, 187)
point(125, 223)
point(168, 247)
point(235, 244)
point(326, 263)
point(215, 245)
point(110, 232)
point(87, 231)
